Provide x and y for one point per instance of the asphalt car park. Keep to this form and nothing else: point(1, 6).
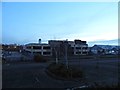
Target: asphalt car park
point(32, 75)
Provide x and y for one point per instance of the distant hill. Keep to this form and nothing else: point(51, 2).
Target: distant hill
point(105, 42)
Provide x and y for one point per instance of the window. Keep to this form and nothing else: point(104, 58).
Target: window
point(36, 47)
point(46, 47)
point(28, 47)
point(78, 47)
point(78, 52)
point(46, 53)
point(85, 48)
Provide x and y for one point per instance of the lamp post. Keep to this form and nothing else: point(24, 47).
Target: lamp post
point(66, 59)
point(56, 55)
point(56, 58)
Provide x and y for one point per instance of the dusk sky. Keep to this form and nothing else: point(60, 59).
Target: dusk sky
point(27, 22)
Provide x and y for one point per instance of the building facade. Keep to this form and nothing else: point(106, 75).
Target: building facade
point(104, 49)
point(38, 48)
point(79, 47)
point(76, 47)
point(57, 48)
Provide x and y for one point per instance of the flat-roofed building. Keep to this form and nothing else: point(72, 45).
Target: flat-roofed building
point(38, 48)
point(79, 47)
point(76, 47)
point(57, 48)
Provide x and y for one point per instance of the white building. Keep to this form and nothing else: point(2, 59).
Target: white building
point(38, 48)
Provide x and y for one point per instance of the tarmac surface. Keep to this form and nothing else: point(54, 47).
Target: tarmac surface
point(33, 75)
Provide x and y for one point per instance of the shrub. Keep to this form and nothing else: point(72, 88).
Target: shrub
point(39, 58)
point(62, 71)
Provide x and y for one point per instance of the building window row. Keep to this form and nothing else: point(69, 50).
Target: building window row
point(38, 47)
point(46, 47)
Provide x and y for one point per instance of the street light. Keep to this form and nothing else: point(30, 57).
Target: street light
point(56, 57)
point(66, 59)
point(56, 54)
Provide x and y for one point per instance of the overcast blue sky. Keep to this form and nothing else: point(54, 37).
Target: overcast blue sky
point(24, 22)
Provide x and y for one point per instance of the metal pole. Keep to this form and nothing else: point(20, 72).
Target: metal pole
point(56, 58)
point(32, 52)
point(66, 55)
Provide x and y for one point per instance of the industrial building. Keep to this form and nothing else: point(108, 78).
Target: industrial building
point(79, 47)
point(76, 47)
point(38, 48)
point(57, 48)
